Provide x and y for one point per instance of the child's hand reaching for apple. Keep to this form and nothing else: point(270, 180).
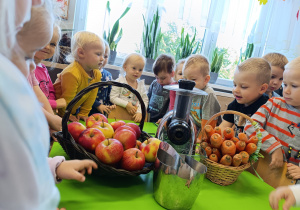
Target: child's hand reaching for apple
point(293, 171)
point(84, 118)
point(75, 169)
point(73, 118)
point(277, 159)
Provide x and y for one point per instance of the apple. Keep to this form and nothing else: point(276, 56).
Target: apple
point(94, 118)
point(109, 151)
point(116, 124)
point(136, 129)
point(90, 138)
point(125, 127)
point(150, 148)
point(127, 138)
point(133, 160)
point(138, 144)
point(106, 129)
point(75, 129)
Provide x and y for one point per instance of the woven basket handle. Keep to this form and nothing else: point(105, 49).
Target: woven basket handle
point(70, 106)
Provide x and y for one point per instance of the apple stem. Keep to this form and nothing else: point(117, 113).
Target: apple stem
point(115, 119)
point(108, 141)
point(102, 123)
point(136, 154)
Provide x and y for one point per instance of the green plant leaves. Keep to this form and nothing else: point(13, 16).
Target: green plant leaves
point(217, 60)
point(186, 46)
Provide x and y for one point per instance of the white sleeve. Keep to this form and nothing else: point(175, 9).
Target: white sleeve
point(144, 96)
point(296, 191)
point(53, 164)
point(115, 96)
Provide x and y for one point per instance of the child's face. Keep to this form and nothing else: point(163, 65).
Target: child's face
point(106, 55)
point(193, 73)
point(246, 89)
point(276, 78)
point(291, 87)
point(178, 74)
point(93, 55)
point(49, 50)
point(164, 78)
point(134, 68)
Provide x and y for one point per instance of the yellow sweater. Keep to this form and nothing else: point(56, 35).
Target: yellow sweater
point(70, 82)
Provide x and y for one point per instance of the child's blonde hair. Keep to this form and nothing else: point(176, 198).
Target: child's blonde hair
point(276, 59)
point(80, 40)
point(107, 46)
point(294, 64)
point(56, 29)
point(164, 62)
point(131, 57)
point(180, 61)
point(199, 60)
point(259, 66)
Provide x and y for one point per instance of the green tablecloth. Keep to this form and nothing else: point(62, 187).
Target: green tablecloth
point(248, 192)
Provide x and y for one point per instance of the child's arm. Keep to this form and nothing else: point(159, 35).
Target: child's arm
point(293, 171)
point(115, 97)
point(42, 98)
point(86, 106)
point(291, 194)
point(210, 107)
point(144, 96)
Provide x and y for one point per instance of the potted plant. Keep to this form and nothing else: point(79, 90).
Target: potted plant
point(216, 64)
point(114, 35)
point(151, 38)
point(186, 47)
point(247, 54)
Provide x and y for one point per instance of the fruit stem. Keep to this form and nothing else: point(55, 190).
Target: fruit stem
point(115, 119)
point(108, 141)
point(102, 123)
point(136, 154)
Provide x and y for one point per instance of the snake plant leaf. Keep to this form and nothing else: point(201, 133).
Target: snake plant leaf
point(196, 48)
point(108, 7)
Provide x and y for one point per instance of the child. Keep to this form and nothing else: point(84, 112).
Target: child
point(24, 166)
point(133, 66)
point(280, 122)
point(251, 79)
point(163, 69)
point(277, 62)
point(178, 76)
point(196, 68)
point(41, 72)
point(87, 51)
point(102, 103)
point(291, 194)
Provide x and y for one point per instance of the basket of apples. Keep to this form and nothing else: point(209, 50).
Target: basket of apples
point(119, 148)
point(227, 155)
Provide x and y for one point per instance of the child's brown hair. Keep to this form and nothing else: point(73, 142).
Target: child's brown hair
point(201, 60)
point(164, 63)
point(276, 59)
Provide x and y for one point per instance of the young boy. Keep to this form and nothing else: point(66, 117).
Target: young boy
point(251, 79)
point(277, 62)
point(196, 68)
point(163, 69)
point(280, 122)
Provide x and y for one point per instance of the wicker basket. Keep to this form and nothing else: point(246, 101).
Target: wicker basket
point(226, 175)
point(76, 151)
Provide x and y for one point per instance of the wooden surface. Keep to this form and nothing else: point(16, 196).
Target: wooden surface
point(122, 114)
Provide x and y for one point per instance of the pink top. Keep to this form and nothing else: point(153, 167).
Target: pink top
point(32, 79)
point(172, 97)
point(46, 85)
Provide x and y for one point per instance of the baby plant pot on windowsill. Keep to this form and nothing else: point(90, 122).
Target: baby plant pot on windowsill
point(216, 64)
point(149, 64)
point(213, 77)
point(112, 57)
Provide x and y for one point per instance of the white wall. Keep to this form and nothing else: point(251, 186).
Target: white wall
point(68, 24)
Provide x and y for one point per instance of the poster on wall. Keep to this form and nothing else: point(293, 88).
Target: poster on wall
point(63, 6)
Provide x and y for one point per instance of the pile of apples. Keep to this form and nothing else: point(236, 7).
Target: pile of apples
point(225, 148)
point(115, 144)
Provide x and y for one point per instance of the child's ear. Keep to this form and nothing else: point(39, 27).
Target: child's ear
point(206, 79)
point(263, 88)
point(80, 53)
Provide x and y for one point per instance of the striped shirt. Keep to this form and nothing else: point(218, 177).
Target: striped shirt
point(280, 127)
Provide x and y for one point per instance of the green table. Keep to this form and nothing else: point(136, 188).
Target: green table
point(96, 192)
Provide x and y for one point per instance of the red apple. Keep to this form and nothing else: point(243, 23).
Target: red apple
point(116, 124)
point(136, 129)
point(90, 138)
point(106, 129)
point(94, 118)
point(75, 129)
point(138, 144)
point(127, 138)
point(149, 148)
point(109, 151)
point(125, 127)
point(133, 160)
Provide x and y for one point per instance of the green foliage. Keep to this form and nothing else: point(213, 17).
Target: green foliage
point(186, 46)
point(247, 54)
point(170, 40)
point(217, 60)
point(151, 37)
point(116, 31)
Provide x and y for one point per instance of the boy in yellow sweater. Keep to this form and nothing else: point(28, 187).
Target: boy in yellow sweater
point(87, 55)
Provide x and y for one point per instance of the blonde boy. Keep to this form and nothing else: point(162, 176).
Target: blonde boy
point(196, 68)
point(279, 119)
point(277, 62)
point(251, 79)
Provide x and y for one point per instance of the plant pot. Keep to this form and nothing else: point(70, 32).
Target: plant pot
point(149, 64)
point(213, 77)
point(112, 57)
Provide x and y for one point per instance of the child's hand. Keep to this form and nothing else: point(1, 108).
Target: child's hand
point(293, 171)
point(75, 169)
point(55, 122)
point(84, 118)
point(137, 117)
point(113, 107)
point(61, 103)
point(130, 108)
point(73, 118)
point(282, 193)
point(102, 108)
point(158, 121)
point(277, 159)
